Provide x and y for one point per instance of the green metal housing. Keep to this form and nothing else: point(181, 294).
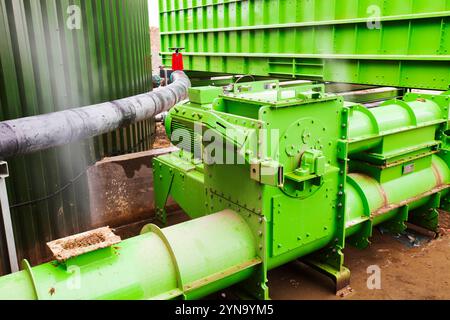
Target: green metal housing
point(310, 173)
point(389, 43)
point(47, 67)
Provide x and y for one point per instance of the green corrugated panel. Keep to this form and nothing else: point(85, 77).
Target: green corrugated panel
point(46, 67)
point(330, 40)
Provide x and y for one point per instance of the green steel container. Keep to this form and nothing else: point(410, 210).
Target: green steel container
point(55, 55)
point(377, 42)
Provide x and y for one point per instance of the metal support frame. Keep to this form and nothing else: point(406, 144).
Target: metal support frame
point(7, 222)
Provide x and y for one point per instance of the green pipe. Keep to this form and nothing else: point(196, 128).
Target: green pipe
point(192, 259)
point(365, 193)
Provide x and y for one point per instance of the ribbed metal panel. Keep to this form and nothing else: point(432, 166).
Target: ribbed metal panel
point(377, 42)
point(46, 67)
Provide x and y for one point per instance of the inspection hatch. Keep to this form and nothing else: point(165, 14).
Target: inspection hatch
point(74, 246)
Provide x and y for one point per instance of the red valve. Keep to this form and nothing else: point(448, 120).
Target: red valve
point(177, 60)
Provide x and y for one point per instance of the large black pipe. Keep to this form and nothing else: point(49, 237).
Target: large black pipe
point(31, 134)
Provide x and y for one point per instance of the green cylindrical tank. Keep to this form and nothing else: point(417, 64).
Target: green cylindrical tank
point(55, 55)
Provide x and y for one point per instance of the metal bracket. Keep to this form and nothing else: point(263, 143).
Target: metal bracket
point(7, 222)
point(340, 277)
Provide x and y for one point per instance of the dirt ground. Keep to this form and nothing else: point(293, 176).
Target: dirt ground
point(406, 273)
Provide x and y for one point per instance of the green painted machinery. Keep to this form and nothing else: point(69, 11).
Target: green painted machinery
point(305, 169)
point(269, 176)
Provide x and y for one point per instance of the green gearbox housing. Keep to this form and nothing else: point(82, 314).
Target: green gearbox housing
point(269, 175)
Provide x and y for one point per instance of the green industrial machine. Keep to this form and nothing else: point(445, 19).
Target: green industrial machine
point(270, 175)
point(310, 170)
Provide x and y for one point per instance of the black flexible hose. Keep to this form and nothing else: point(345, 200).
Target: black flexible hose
point(31, 134)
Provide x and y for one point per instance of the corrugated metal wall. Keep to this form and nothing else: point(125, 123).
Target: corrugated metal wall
point(48, 64)
point(377, 42)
